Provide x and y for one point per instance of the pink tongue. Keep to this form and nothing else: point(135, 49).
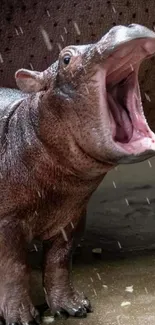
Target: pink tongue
point(124, 129)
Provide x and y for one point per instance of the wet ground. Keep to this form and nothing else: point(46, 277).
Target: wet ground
point(122, 210)
point(121, 289)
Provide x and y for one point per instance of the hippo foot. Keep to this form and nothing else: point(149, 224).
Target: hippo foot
point(69, 304)
point(18, 314)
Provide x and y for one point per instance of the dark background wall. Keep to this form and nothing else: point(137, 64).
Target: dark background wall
point(31, 35)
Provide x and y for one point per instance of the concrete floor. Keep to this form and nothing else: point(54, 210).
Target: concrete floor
point(122, 209)
point(121, 289)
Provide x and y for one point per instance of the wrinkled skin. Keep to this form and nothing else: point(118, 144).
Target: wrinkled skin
point(59, 137)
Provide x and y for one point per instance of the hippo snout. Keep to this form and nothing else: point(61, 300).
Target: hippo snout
point(120, 35)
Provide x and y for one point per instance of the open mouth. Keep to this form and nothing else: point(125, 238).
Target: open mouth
point(128, 124)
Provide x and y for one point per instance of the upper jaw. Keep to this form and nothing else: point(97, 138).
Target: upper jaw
point(127, 58)
point(112, 41)
point(123, 64)
point(121, 35)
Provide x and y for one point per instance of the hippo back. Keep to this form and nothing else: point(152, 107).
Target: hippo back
point(9, 100)
point(8, 96)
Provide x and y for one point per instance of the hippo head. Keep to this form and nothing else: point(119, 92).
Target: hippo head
point(96, 86)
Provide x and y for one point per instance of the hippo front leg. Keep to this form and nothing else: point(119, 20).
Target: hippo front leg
point(60, 293)
point(15, 303)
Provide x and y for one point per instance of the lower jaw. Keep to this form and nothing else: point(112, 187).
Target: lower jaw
point(139, 145)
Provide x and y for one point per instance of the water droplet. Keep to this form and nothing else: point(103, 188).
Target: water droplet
point(127, 202)
point(31, 66)
point(48, 13)
point(72, 225)
point(45, 290)
point(59, 46)
point(77, 28)
point(114, 10)
point(65, 29)
point(119, 245)
point(21, 30)
point(99, 277)
point(39, 194)
point(64, 234)
point(35, 247)
point(1, 59)
point(62, 38)
point(147, 97)
point(46, 39)
point(95, 292)
point(147, 199)
point(16, 30)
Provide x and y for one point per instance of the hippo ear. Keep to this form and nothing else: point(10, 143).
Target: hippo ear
point(29, 81)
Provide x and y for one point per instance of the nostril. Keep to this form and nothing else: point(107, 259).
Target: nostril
point(131, 25)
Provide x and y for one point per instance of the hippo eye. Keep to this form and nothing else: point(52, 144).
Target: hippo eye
point(66, 59)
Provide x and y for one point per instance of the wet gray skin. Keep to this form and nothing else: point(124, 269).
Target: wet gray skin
point(8, 95)
point(100, 82)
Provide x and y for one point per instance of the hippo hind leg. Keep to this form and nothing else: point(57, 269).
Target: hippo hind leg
point(15, 303)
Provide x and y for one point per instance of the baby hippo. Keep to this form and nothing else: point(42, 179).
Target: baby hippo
point(59, 135)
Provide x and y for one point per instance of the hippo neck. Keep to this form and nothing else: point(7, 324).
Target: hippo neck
point(61, 146)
